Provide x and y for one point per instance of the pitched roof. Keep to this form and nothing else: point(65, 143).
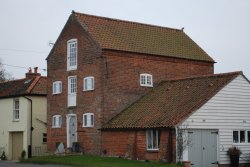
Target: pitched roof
point(21, 87)
point(170, 102)
point(141, 38)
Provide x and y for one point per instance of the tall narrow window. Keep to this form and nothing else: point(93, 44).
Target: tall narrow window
point(16, 110)
point(72, 54)
point(57, 87)
point(72, 89)
point(44, 137)
point(56, 121)
point(88, 120)
point(88, 83)
point(153, 139)
point(146, 80)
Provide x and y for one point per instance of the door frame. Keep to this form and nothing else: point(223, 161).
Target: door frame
point(68, 116)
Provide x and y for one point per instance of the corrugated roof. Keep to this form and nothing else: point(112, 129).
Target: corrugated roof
point(27, 86)
point(170, 102)
point(141, 38)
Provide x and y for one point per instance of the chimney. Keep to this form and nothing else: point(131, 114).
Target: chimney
point(30, 74)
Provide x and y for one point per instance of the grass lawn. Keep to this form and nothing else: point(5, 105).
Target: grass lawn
point(94, 161)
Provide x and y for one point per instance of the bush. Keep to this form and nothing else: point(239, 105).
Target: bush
point(3, 156)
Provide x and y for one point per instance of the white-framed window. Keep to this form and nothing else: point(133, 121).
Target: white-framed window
point(88, 83)
point(72, 54)
point(16, 110)
point(241, 136)
point(44, 137)
point(88, 120)
point(57, 87)
point(146, 80)
point(57, 121)
point(152, 139)
point(72, 89)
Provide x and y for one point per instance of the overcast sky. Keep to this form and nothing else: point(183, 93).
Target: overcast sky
point(220, 27)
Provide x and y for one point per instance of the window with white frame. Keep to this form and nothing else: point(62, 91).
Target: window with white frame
point(152, 139)
point(44, 137)
point(57, 121)
point(88, 120)
point(16, 110)
point(88, 83)
point(72, 54)
point(146, 80)
point(241, 136)
point(57, 87)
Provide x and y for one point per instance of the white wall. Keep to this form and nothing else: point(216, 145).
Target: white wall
point(228, 110)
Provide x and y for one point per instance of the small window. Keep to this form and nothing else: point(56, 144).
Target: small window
point(146, 80)
point(16, 110)
point(57, 121)
point(88, 120)
point(57, 87)
point(239, 136)
point(72, 54)
point(44, 137)
point(152, 139)
point(88, 83)
point(248, 136)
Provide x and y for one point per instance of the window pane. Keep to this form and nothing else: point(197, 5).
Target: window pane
point(242, 136)
point(92, 120)
point(149, 80)
point(85, 120)
point(150, 142)
point(143, 79)
point(155, 139)
point(235, 137)
point(248, 136)
point(44, 137)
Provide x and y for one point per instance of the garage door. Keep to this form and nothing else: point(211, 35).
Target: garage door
point(202, 149)
point(17, 145)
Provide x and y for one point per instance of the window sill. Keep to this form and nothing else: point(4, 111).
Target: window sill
point(16, 120)
point(56, 127)
point(153, 150)
point(88, 126)
point(147, 86)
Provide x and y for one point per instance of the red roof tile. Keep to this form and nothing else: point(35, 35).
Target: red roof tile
point(171, 102)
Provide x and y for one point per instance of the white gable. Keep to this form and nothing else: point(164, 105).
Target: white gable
point(228, 110)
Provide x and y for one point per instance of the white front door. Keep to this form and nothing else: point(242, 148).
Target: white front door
point(71, 129)
point(202, 148)
point(72, 89)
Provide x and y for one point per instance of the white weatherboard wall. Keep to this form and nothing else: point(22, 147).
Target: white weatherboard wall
point(228, 110)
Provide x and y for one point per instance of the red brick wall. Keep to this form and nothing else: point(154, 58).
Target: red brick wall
point(89, 64)
point(122, 86)
point(132, 144)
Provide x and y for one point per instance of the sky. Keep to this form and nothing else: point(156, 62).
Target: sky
point(220, 27)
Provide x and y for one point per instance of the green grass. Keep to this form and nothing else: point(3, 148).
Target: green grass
point(94, 161)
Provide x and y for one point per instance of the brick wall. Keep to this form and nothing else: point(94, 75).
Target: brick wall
point(132, 144)
point(122, 84)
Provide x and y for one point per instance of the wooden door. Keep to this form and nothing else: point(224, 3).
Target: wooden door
point(17, 145)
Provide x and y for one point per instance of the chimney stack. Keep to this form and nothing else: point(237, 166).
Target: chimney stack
point(30, 74)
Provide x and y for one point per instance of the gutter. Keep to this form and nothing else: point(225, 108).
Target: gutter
point(31, 127)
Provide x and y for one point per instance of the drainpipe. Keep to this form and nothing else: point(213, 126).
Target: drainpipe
point(31, 128)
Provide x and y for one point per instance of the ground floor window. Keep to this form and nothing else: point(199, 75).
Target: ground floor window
point(152, 139)
point(44, 137)
point(241, 136)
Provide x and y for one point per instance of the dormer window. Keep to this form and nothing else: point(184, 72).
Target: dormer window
point(146, 80)
point(72, 54)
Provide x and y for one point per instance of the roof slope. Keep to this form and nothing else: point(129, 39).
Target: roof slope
point(27, 86)
point(171, 102)
point(141, 38)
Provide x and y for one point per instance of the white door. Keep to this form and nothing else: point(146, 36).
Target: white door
point(71, 129)
point(72, 89)
point(202, 149)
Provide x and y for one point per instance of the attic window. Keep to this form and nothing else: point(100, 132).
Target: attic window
point(146, 80)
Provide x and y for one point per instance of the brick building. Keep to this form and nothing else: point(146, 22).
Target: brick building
point(99, 67)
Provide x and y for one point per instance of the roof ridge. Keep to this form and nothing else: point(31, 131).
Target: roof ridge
point(37, 78)
point(206, 76)
point(126, 21)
